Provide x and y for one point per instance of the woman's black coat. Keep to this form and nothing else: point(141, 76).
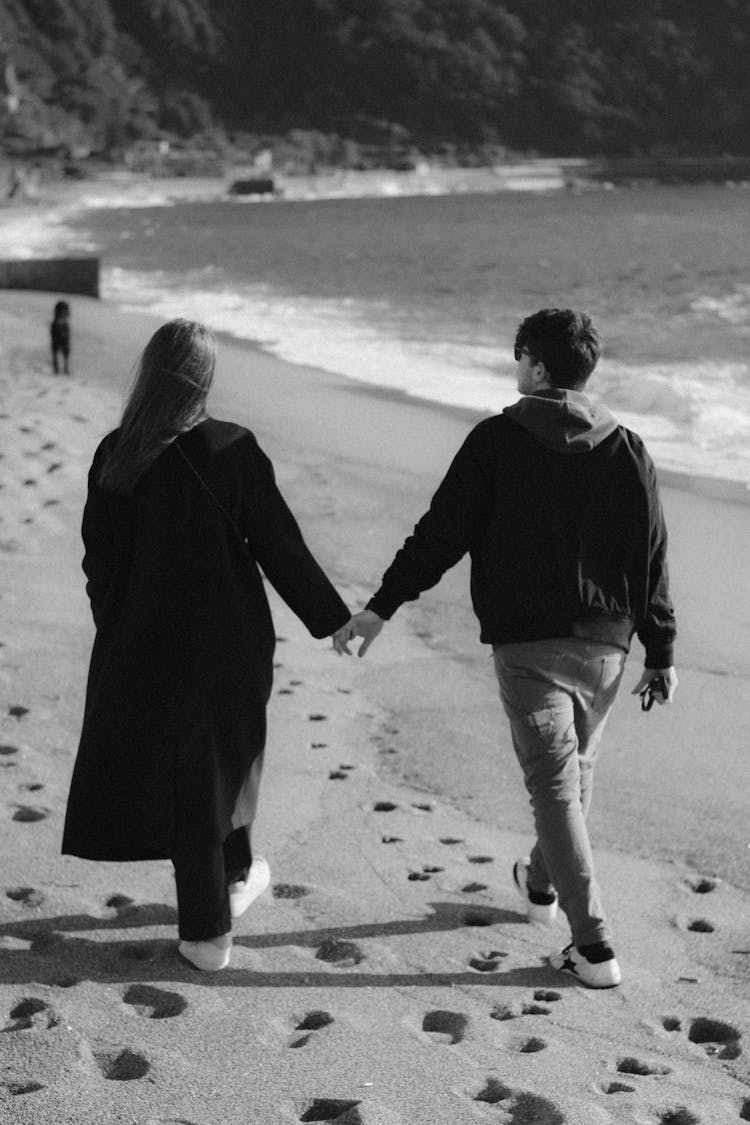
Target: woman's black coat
point(182, 664)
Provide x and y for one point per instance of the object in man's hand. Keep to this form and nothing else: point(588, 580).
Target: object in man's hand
point(657, 686)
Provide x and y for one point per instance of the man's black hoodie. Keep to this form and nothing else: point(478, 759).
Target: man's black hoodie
point(559, 508)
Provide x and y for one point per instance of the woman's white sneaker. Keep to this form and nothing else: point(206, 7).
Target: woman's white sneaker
point(206, 955)
point(243, 893)
point(593, 965)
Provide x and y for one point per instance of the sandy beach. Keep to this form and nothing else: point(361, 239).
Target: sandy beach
point(390, 978)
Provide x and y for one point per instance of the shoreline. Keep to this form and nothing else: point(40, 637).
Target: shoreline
point(696, 460)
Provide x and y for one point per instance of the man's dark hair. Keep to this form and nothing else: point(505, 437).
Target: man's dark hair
point(565, 341)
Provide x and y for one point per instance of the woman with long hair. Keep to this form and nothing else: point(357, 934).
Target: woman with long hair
point(182, 511)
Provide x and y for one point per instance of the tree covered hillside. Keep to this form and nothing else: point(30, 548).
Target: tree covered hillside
point(590, 77)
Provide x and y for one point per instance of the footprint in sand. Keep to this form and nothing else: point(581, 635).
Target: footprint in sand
point(384, 806)
point(6, 751)
point(426, 873)
point(487, 962)
point(15, 1089)
point(701, 926)
point(447, 1027)
point(548, 995)
point(342, 953)
point(289, 890)
point(703, 886)
point(473, 888)
point(630, 1065)
point(421, 807)
point(313, 1021)
point(32, 1014)
point(27, 814)
point(678, 1116)
point(531, 1046)
point(17, 711)
point(481, 859)
point(121, 1066)
point(535, 1008)
point(338, 775)
point(716, 1037)
point(32, 786)
point(617, 1088)
point(332, 1109)
point(28, 896)
point(154, 1003)
point(317, 718)
point(450, 840)
point(529, 1008)
point(505, 1012)
point(391, 840)
point(119, 902)
point(522, 1106)
point(319, 745)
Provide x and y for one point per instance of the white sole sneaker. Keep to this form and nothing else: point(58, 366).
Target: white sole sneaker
point(542, 913)
point(594, 974)
point(242, 894)
point(205, 955)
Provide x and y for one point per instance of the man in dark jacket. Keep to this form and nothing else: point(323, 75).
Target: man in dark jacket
point(558, 507)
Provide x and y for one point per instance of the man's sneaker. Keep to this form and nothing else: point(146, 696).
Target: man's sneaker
point(593, 965)
point(540, 907)
point(243, 893)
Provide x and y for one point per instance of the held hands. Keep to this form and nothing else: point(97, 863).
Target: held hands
point(664, 681)
point(365, 624)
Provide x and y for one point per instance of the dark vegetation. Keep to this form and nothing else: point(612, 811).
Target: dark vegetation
point(456, 78)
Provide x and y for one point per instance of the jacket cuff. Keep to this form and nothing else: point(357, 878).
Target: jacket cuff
point(661, 657)
point(378, 604)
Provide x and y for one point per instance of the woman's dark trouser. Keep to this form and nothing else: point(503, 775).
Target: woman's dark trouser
point(202, 878)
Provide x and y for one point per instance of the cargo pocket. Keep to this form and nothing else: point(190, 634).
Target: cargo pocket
point(543, 722)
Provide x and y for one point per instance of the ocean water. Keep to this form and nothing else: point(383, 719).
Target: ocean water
point(424, 293)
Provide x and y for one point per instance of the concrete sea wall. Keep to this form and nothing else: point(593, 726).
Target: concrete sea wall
point(53, 275)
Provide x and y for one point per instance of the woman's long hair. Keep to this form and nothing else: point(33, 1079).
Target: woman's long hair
point(168, 396)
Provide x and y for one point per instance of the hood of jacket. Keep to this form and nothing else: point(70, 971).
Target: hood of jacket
point(566, 421)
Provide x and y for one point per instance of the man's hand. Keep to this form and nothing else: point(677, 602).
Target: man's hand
point(365, 624)
point(669, 678)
